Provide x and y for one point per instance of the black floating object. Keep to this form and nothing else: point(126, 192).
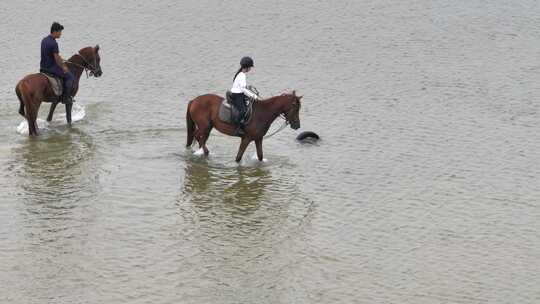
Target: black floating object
point(307, 135)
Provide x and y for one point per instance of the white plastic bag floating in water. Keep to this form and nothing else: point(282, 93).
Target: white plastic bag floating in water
point(77, 114)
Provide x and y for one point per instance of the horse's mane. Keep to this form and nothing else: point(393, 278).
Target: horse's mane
point(77, 54)
point(283, 94)
point(85, 48)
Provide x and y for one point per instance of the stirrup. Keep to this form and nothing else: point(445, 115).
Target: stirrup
point(67, 99)
point(240, 130)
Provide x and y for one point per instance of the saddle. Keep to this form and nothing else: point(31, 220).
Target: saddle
point(229, 114)
point(56, 83)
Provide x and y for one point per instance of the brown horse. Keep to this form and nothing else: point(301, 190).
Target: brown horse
point(34, 89)
point(203, 114)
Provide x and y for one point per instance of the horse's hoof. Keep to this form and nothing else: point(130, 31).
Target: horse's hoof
point(307, 135)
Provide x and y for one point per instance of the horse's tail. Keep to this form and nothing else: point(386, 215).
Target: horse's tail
point(190, 126)
point(24, 95)
point(20, 96)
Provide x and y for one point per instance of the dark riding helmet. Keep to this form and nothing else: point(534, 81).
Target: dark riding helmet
point(56, 27)
point(246, 62)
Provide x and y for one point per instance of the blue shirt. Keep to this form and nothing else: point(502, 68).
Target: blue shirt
point(49, 47)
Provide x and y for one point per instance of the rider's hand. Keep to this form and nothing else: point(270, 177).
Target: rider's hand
point(65, 68)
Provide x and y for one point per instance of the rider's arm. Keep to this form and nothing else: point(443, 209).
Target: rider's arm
point(60, 62)
point(243, 85)
point(249, 93)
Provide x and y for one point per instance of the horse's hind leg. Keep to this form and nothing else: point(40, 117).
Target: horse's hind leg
point(207, 135)
point(36, 128)
point(31, 104)
point(258, 145)
point(32, 125)
point(201, 134)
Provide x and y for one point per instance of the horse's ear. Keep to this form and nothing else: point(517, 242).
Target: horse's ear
point(294, 93)
point(96, 47)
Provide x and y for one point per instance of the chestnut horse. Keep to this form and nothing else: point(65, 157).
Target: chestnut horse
point(35, 88)
point(203, 114)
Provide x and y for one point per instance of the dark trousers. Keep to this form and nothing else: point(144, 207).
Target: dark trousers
point(239, 103)
point(68, 83)
point(67, 78)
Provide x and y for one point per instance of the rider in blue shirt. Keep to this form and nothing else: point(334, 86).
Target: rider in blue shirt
point(52, 63)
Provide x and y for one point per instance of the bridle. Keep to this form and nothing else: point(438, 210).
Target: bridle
point(92, 69)
point(286, 121)
point(294, 105)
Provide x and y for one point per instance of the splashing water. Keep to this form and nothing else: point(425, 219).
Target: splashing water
point(77, 113)
point(199, 152)
point(255, 158)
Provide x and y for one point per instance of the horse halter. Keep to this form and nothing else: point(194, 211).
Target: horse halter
point(286, 122)
point(294, 105)
point(93, 68)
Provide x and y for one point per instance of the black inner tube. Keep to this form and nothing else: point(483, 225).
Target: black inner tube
point(307, 134)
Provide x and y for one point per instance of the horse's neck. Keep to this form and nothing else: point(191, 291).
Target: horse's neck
point(272, 107)
point(76, 68)
point(275, 105)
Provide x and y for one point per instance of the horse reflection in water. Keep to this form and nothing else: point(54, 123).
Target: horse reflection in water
point(56, 167)
point(234, 190)
point(240, 210)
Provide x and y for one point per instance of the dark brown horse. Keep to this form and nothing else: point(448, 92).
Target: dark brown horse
point(203, 115)
point(34, 89)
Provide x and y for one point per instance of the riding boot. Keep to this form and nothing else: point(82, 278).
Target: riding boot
point(68, 88)
point(67, 98)
point(240, 125)
point(240, 128)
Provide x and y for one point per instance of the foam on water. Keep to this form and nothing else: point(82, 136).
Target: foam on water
point(255, 158)
point(77, 114)
point(22, 128)
point(199, 152)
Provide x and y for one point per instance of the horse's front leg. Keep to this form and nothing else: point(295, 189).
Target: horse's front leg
point(51, 111)
point(258, 144)
point(69, 105)
point(243, 145)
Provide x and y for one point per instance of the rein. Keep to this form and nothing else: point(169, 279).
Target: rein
point(283, 126)
point(282, 116)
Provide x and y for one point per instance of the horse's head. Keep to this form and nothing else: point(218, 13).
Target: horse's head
point(92, 61)
point(292, 110)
